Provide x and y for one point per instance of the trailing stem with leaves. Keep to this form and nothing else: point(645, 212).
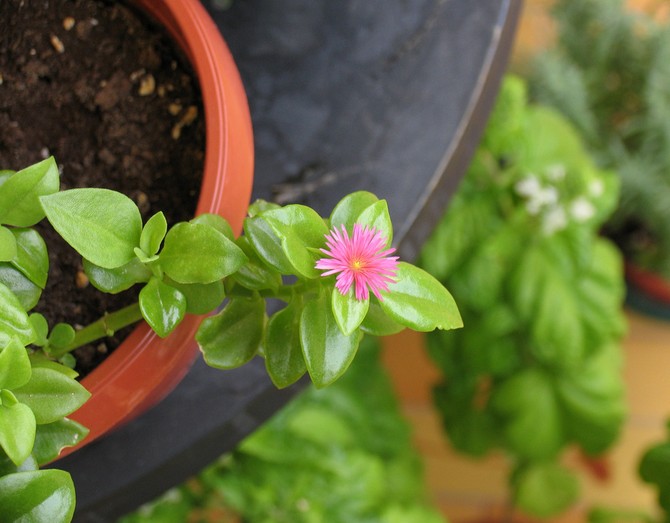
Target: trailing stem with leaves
point(335, 276)
point(538, 368)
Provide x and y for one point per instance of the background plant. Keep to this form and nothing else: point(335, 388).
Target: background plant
point(341, 454)
point(190, 267)
point(538, 367)
point(608, 75)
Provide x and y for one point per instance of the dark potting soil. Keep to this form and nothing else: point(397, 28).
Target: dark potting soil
point(97, 85)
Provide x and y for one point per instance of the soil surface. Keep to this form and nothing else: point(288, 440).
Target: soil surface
point(99, 87)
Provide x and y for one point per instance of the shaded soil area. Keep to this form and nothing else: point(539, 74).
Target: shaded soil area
point(102, 89)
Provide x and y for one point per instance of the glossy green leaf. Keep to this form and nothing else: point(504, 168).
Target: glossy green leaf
point(216, 221)
point(300, 230)
point(19, 198)
point(528, 405)
point(37, 496)
point(284, 360)
point(41, 328)
point(267, 244)
point(545, 489)
point(25, 290)
point(232, 337)
point(51, 395)
point(376, 216)
point(17, 428)
point(201, 298)
point(39, 359)
point(327, 351)
point(7, 466)
point(118, 279)
point(254, 274)
point(349, 208)
point(377, 323)
point(153, 233)
point(197, 253)
point(52, 438)
point(32, 258)
point(259, 206)
point(103, 226)
point(8, 247)
point(13, 318)
point(162, 306)
point(61, 335)
point(349, 312)
point(14, 365)
point(420, 302)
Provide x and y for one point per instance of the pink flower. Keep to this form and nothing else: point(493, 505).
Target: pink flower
point(361, 260)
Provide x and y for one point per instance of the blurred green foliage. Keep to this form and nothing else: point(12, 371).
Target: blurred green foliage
point(608, 75)
point(536, 367)
point(342, 454)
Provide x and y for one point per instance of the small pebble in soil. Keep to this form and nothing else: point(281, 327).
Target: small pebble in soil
point(81, 280)
point(187, 118)
point(68, 23)
point(147, 85)
point(174, 109)
point(57, 44)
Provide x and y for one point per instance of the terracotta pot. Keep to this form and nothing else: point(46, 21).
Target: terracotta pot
point(145, 368)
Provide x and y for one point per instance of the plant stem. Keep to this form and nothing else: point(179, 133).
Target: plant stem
point(105, 326)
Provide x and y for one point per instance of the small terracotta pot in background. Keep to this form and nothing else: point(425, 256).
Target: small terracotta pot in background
point(145, 368)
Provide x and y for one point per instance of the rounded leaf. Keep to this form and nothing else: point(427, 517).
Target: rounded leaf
point(25, 290)
point(103, 226)
point(232, 337)
point(283, 355)
point(17, 428)
point(162, 306)
point(153, 233)
point(14, 320)
point(545, 489)
point(327, 351)
point(349, 208)
point(15, 367)
point(377, 217)
point(420, 302)
point(32, 258)
point(198, 253)
point(201, 298)
point(51, 394)
point(267, 244)
point(52, 438)
point(118, 279)
point(8, 247)
point(216, 221)
point(19, 197)
point(349, 312)
point(37, 496)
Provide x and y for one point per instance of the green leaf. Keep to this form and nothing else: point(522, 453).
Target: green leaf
point(153, 233)
point(17, 428)
point(14, 365)
point(300, 230)
point(545, 489)
point(61, 335)
point(118, 279)
point(198, 253)
point(259, 206)
point(32, 257)
point(254, 274)
point(201, 298)
point(349, 208)
point(377, 323)
point(37, 496)
point(376, 216)
point(327, 351)
point(103, 226)
point(528, 405)
point(51, 395)
point(267, 244)
point(52, 438)
point(420, 302)
point(283, 356)
point(162, 306)
point(19, 204)
point(41, 328)
point(13, 318)
point(39, 359)
point(25, 290)
point(231, 338)
point(348, 311)
point(216, 221)
point(8, 247)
